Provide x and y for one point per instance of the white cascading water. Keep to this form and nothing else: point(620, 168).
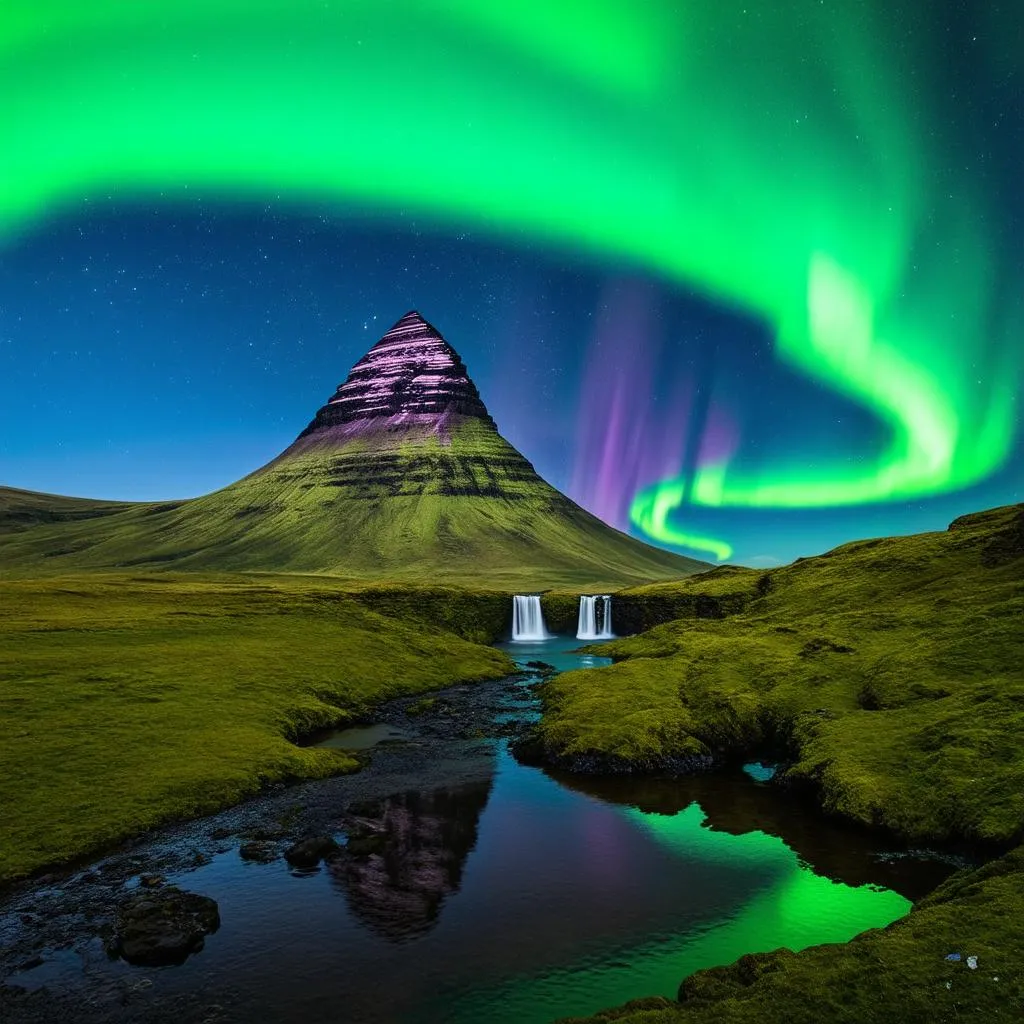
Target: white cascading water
point(528, 618)
point(587, 627)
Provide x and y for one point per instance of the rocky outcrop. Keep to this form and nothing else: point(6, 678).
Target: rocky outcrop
point(165, 926)
point(411, 372)
point(308, 853)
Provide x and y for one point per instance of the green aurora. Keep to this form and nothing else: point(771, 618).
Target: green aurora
point(823, 193)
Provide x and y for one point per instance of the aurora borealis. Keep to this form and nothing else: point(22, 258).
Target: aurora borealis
point(837, 177)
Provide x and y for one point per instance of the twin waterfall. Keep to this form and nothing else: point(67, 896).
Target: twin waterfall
point(595, 622)
point(595, 619)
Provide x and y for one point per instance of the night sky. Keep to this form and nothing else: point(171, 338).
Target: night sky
point(747, 283)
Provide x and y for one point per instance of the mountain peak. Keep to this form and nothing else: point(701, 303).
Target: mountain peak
point(410, 375)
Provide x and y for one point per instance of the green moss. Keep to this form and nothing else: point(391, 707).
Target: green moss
point(126, 701)
point(561, 610)
point(421, 707)
point(888, 674)
point(483, 616)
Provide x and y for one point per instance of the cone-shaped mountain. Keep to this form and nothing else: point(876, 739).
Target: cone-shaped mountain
point(401, 475)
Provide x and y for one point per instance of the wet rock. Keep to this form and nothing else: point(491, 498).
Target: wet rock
point(30, 964)
point(542, 668)
point(259, 853)
point(165, 927)
point(309, 852)
point(151, 881)
point(222, 833)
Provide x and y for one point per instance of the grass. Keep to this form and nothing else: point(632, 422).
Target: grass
point(129, 701)
point(887, 674)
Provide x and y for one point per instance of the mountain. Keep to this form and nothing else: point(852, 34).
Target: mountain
point(401, 475)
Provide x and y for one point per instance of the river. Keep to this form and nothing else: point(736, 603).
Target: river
point(496, 892)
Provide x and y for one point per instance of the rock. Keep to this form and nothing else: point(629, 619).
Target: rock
point(155, 929)
point(309, 852)
point(365, 843)
point(151, 881)
point(542, 668)
point(260, 853)
point(411, 371)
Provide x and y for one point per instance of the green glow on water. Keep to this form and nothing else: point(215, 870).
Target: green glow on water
point(809, 180)
point(796, 909)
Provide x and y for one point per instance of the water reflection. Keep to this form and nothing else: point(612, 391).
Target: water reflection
point(406, 856)
point(733, 804)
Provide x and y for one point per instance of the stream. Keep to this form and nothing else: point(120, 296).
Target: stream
point(493, 891)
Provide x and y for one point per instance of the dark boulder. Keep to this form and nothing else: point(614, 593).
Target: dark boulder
point(258, 852)
point(308, 853)
point(163, 927)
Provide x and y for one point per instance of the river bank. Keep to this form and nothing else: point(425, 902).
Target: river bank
point(443, 837)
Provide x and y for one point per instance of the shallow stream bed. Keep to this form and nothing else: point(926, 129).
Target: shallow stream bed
point(491, 892)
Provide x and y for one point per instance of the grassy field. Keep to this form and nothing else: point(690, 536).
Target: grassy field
point(888, 675)
point(127, 701)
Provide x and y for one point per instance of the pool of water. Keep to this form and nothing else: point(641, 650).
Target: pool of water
point(525, 895)
point(362, 737)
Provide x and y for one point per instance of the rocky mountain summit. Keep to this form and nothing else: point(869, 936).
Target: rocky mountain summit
point(411, 375)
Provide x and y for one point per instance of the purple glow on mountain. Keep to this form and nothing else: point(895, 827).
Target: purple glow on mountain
point(411, 376)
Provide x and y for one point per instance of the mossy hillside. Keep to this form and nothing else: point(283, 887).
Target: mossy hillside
point(127, 701)
point(887, 672)
point(713, 594)
point(20, 510)
point(896, 974)
point(398, 505)
point(561, 610)
point(482, 616)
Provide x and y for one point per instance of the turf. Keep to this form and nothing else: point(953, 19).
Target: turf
point(129, 701)
point(888, 675)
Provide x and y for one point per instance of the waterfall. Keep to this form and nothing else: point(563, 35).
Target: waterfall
point(528, 618)
point(594, 624)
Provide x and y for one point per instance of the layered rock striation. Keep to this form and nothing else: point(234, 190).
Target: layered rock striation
point(412, 375)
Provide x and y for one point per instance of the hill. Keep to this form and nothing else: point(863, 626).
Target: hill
point(401, 475)
point(885, 677)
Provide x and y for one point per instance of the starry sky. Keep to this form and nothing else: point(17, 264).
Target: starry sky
point(745, 281)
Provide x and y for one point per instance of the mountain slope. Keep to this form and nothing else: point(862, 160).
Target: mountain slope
point(402, 474)
point(21, 510)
